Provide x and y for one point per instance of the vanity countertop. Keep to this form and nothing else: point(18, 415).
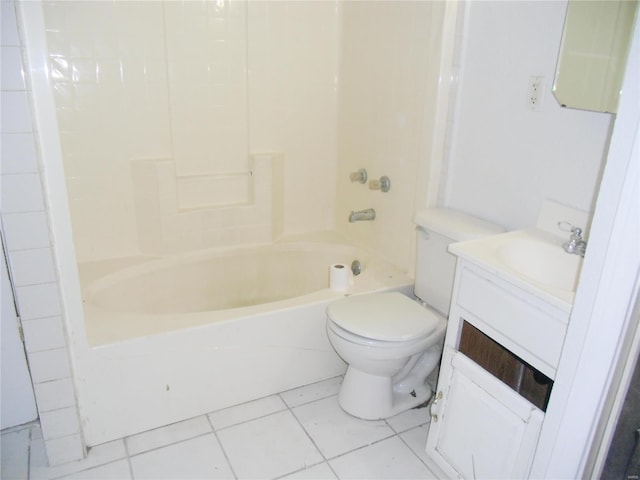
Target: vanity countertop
point(532, 259)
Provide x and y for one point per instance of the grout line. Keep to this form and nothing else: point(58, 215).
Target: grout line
point(363, 446)
point(29, 453)
point(224, 452)
point(284, 475)
point(128, 457)
point(170, 444)
point(307, 433)
point(89, 469)
point(244, 421)
point(409, 446)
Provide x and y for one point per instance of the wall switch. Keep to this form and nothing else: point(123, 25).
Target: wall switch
point(535, 92)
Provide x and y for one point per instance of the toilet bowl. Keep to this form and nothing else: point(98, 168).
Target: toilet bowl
point(391, 344)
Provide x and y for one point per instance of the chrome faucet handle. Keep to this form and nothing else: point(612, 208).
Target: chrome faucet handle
point(576, 232)
point(576, 244)
point(359, 176)
point(566, 226)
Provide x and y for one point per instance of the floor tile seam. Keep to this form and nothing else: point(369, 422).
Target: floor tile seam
point(128, 457)
point(407, 429)
point(92, 467)
point(327, 459)
point(330, 459)
point(310, 401)
point(412, 451)
point(224, 452)
point(100, 464)
point(182, 440)
point(307, 467)
point(313, 442)
point(246, 421)
point(29, 453)
point(127, 438)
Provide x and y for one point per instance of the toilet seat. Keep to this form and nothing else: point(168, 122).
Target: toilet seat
point(390, 317)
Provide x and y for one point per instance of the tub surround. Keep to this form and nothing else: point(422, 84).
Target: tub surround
point(204, 84)
point(177, 213)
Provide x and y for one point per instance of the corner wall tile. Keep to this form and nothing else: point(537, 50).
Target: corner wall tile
point(8, 31)
point(11, 74)
point(59, 423)
point(37, 301)
point(65, 449)
point(21, 193)
point(32, 267)
point(18, 153)
point(15, 112)
point(49, 365)
point(55, 394)
point(26, 230)
point(43, 334)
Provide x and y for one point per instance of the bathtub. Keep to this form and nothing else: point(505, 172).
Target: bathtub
point(172, 338)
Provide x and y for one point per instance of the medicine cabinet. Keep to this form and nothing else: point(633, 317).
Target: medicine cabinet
point(593, 53)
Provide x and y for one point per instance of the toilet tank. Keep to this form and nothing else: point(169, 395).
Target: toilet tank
point(435, 266)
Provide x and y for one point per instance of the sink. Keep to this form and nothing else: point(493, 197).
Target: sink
point(542, 261)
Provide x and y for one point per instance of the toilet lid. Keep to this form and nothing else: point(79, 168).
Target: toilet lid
point(383, 316)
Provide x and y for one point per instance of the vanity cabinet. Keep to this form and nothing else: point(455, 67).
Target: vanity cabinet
point(499, 361)
point(481, 428)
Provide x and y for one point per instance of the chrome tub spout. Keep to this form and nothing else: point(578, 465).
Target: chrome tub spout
point(362, 215)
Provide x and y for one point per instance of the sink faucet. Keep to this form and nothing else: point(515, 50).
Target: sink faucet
point(368, 214)
point(576, 243)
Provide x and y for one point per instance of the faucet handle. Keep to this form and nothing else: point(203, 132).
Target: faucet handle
point(568, 227)
point(359, 176)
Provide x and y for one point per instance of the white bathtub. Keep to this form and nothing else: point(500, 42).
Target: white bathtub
point(178, 337)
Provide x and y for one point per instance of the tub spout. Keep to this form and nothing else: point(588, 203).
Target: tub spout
point(360, 215)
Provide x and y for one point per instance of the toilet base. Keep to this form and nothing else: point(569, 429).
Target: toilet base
point(373, 397)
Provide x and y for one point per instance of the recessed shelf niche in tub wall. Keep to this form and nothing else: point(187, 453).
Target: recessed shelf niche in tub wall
point(181, 213)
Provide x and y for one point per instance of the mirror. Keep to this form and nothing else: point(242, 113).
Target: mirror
point(593, 53)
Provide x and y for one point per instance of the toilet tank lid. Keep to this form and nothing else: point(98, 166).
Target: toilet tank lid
point(456, 225)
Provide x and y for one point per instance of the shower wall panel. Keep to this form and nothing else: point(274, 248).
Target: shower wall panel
point(206, 46)
point(109, 77)
point(191, 81)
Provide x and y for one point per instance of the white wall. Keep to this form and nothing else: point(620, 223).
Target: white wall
point(507, 158)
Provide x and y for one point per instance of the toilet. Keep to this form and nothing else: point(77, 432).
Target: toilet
point(391, 342)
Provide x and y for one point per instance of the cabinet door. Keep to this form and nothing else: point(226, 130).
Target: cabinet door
point(481, 428)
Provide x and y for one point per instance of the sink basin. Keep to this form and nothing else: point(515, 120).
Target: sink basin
point(542, 261)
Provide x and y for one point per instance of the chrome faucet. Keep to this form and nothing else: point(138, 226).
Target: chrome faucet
point(360, 215)
point(576, 243)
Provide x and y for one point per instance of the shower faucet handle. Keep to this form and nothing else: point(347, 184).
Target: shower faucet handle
point(384, 184)
point(359, 176)
point(576, 244)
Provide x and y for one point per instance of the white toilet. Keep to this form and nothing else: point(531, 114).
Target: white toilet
point(391, 342)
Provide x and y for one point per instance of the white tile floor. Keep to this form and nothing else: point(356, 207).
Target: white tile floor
point(300, 433)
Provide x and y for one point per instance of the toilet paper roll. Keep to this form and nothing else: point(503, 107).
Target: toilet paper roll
point(340, 278)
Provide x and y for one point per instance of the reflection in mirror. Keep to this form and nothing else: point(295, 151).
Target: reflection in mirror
point(595, 44)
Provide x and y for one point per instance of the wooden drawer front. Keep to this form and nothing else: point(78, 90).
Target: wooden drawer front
point(512, 320)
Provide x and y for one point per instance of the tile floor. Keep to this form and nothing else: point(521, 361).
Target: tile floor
point(297, 434)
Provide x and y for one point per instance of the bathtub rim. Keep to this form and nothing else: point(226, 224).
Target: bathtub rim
point(106, 327)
